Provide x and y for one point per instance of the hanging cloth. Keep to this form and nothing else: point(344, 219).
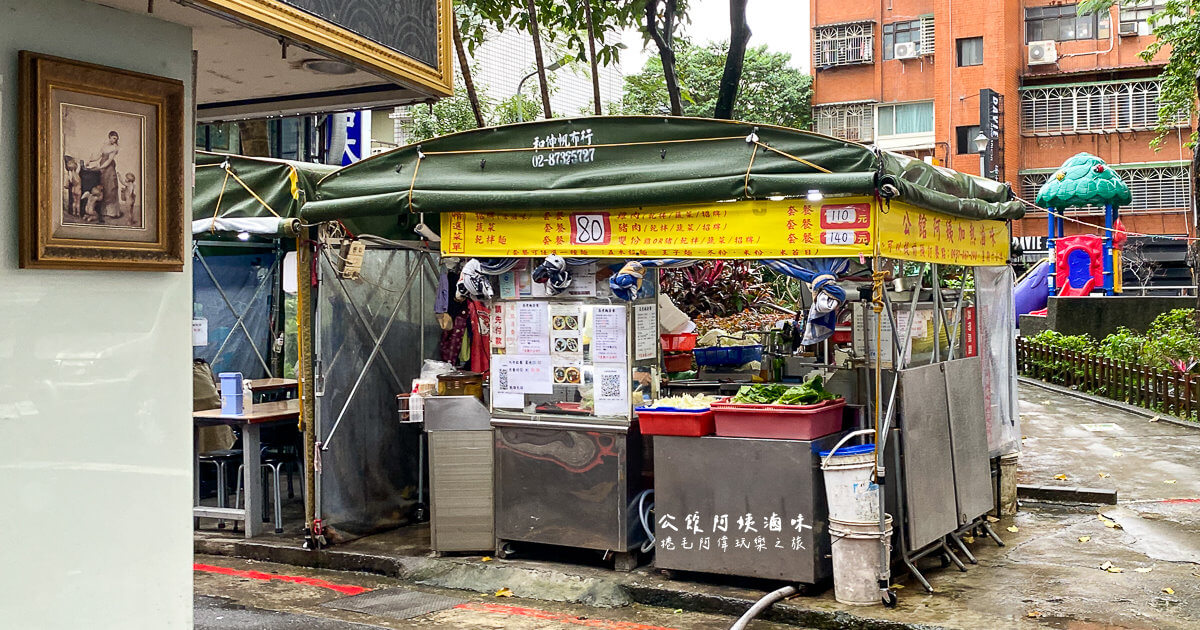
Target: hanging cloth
point(553, 273)
point(472, 283)
point(821, 274)
point(626, 282)
point(481, 336)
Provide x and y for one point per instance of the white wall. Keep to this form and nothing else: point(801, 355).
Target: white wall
point(95, 389)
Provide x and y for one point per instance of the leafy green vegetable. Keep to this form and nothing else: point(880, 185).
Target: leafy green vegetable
point(811, 392)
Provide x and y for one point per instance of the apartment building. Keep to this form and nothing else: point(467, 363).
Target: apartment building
point(910, 75)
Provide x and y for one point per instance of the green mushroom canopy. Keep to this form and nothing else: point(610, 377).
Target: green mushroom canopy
point(1083, 180)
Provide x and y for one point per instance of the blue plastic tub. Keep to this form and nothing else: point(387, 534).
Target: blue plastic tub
point(727, 355)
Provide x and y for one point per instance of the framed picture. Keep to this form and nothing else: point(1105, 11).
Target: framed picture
point(102, 170)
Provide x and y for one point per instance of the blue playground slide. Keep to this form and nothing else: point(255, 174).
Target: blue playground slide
point(1032, 290)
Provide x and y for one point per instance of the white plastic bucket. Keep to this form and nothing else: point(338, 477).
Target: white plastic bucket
point(849, 490)
point(856, 560)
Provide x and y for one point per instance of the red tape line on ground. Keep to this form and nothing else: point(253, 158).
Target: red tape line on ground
point(345, 589)
point(517, 611)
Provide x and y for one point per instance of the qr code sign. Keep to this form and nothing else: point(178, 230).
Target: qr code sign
point(503, 376)
point(610, 385)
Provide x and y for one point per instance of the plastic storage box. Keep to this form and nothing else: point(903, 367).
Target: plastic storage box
point(728, 355)
point(231, 393)
point(681, 362)
point(672, 421)
point(681, 342)
point(783, 422)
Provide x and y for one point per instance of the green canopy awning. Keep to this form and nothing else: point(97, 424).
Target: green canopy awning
point(231, 188)
point(630, 161)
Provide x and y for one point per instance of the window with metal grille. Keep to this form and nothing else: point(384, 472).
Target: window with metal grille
point(1063, 23)
point(927, 41)
point(849, 122)
point(1154, 188)
point(843, 44)
point(1138, 14)
point(1092, 108)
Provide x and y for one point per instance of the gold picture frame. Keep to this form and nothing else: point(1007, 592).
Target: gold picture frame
point(101, 168)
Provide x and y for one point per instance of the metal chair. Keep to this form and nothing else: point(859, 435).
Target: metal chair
point(220, 460)
point(272, 461)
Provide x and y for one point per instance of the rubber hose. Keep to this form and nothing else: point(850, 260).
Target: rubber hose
point(642, 512)
point(766, 602)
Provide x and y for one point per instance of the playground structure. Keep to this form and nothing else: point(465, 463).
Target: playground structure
point(1081, 264)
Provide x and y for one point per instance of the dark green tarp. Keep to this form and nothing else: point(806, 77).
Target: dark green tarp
point(271, 181)
point(628, 161)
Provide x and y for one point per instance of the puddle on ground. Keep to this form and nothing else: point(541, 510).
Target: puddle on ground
point(1159, 538)
point(1067, 623)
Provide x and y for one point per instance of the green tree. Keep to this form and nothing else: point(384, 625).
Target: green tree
point(448, 115)
point(771, 91)
point(1175, 26)
point(591, 35)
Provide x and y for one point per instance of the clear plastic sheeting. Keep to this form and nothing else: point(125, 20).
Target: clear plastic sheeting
point(998, 350)
point(247, 282)
point(368, 479)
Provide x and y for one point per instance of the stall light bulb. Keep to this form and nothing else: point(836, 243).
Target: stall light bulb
point(245, 236)
point(815, 196)
point(775, 198)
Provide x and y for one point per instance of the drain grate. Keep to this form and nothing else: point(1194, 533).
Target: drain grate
point(395, 603)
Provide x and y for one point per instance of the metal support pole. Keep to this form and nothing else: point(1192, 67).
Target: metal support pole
point(936, 281)
point(1051, 224)
point(308, 425)
point(1109, 213)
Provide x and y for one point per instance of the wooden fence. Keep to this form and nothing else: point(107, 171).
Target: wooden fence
point(1166, 391)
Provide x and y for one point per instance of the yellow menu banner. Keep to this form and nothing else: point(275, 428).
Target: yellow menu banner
point(907, 232)
point(792, 228)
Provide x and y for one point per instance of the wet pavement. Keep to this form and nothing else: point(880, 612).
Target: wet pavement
point(1097, 446)
point(237, 594)
point(1068, 566)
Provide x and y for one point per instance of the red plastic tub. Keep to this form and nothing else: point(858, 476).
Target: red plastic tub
point(783, 422)
point(681, 342)
point(678, 362)
point(668, 421)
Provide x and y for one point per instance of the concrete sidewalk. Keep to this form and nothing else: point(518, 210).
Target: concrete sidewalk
point(1049, 575)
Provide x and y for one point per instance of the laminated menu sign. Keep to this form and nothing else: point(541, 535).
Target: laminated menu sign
point(583, 281)
point(645, 330)
point(533, 328)
point(608, 334)
point(611, 390)
point(521, 375)
point(199, 332)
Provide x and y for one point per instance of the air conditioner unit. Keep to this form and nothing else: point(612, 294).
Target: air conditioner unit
point(1127, 29)
point(1042, 53)
point(907, 50)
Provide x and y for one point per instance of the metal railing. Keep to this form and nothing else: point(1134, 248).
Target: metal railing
point(1165, 391)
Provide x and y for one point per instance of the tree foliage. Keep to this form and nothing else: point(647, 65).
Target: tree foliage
point(453, 114)
point(561, 22)
point(1175, 26)
point(772, 91)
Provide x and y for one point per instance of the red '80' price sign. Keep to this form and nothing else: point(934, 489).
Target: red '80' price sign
point(590, 228)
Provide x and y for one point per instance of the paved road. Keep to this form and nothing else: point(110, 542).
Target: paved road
point(1072, 442)
point(238, 594)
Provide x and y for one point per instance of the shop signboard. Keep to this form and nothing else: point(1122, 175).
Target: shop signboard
point(749, 229)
